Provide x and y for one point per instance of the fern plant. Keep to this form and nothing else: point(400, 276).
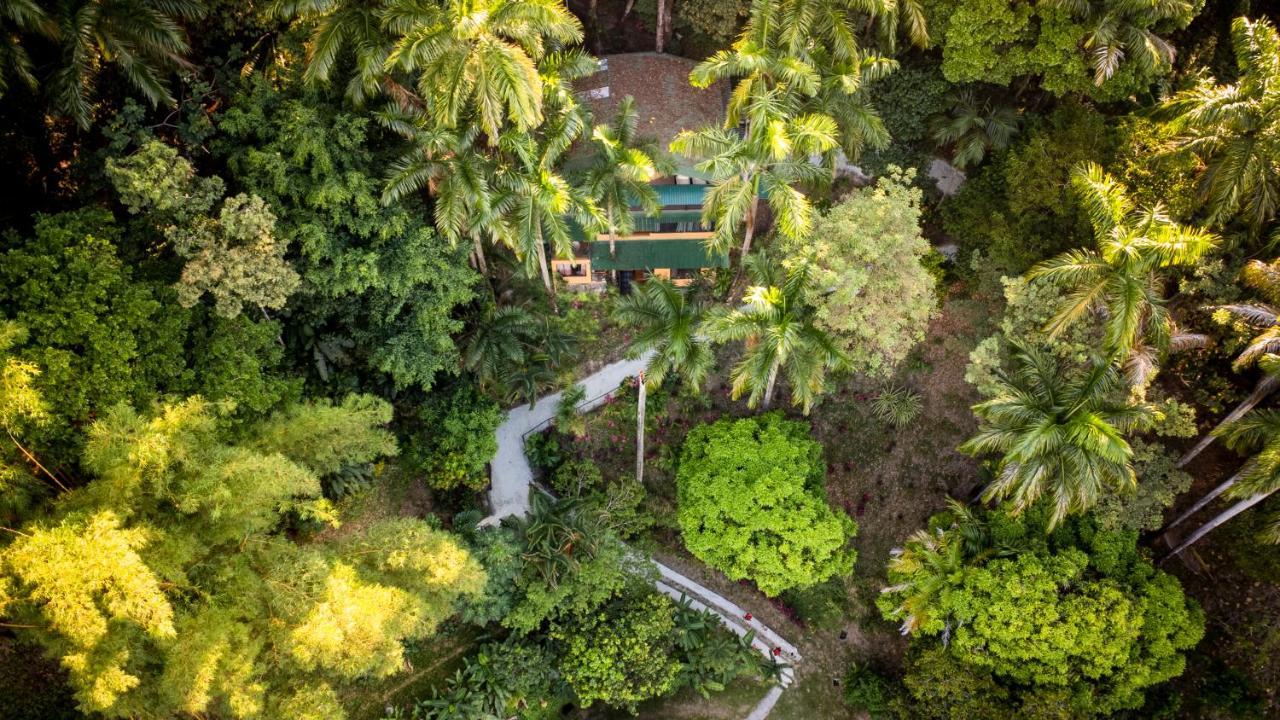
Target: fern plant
point(899, 406)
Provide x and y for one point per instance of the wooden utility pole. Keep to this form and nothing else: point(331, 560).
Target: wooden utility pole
point(640, 428)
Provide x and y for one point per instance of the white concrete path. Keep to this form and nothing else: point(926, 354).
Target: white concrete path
point(510, 473)
point(511, 479)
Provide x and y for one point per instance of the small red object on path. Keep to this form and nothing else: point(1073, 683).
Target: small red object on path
point(747, 616)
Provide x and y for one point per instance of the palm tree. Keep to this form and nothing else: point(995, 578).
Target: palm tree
point(1121, 31)
point(1262, 350)
point(667, 320)
point(770, 159)
point(533, 198)
point(478, 59)
point(499, 341)
point(842, 95)
point(799, 94)
point(540, 200)
point(339, 25)
point(457, 175)
point(558, 536)
point(974, 127)
point(1235, 128)
point(144, 39)
point(1257, 480)
point(1263, 316)
point(779, 334)
point(19, 18)
point(932, 561)
point(1120, 279)
point(620, 172)
point(1058, 438)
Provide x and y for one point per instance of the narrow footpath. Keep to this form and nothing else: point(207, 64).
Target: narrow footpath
point(512, 479)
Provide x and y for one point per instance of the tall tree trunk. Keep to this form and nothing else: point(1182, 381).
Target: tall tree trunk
point(479, 252)
point(594, 16)
point(546, 273)
point(750, 227)
point(768, 388)
point(660, 41)
point(1266, 386)
point(613, 236)
point(1208, 498)
point(641, 391)
point(1221, 518)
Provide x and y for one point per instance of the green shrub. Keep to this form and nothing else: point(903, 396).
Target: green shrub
point(899, 406)
point(622, 654)
point(1160, 482)
point(1020, 209)
point(1076, 619)
point(752, 503)
point(1028, 308)
point(454, 438)
point(568, 419)
point(576, 477)
point(544, 451)
point(866, 690)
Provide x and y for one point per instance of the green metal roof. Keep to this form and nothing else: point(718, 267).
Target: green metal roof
point(650, 254)
point(690, 195)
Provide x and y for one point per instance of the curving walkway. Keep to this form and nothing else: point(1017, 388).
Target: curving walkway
point(512, 480)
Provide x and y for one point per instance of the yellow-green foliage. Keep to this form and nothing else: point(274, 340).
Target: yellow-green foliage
point(169, 585)
point(21, 406)
point(752, 503)
point(623, 654)
point(1076, 619)
point(235, 257)
point(869, 289)
point(1029, 306)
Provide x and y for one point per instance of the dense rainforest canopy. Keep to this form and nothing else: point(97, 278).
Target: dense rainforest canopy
point(474, 359)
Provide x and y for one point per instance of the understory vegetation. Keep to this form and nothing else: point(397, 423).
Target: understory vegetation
point(977, 412)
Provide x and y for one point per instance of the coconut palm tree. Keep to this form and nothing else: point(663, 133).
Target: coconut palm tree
point(346, 25)
point(1058, 437)
point(668, 323)
point(620, 172)
point(478, 59)
point(1120, 31)
point(143, 39)
point(1258, 479)
point(770, 159)
point(1235, 129)
point(779, 334)
point(453, 172)
point(974, 127)
point(538, 201)
point(842, 94)
point(798, 93)
point(1121, 279)
point(19, 18)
